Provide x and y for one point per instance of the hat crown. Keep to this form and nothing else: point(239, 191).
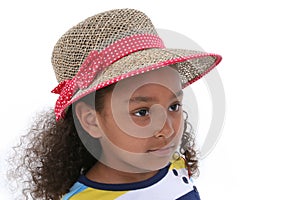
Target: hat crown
point(96, 33)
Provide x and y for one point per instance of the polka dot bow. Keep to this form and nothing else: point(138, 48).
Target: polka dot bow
point(96, 62)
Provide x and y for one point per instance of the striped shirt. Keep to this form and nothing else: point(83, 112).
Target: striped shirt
point(170, 183)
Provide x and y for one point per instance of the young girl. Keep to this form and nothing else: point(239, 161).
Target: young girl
point(118, 130)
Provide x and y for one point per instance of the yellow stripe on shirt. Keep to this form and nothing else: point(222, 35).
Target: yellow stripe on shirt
point(91, 193)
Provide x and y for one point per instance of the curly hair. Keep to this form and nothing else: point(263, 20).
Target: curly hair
point(51, 156)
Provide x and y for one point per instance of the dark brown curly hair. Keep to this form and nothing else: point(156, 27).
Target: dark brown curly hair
point(51, 157)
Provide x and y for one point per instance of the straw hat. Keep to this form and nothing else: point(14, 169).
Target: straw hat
point(114, 45)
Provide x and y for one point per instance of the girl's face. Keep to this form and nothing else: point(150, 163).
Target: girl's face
point(142, 121)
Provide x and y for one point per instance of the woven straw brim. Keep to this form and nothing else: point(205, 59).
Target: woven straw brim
point(190, 64)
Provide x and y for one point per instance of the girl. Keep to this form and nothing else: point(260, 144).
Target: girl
point(118, 130)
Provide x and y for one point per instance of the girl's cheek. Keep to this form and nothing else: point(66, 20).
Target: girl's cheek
point(140, 121)
point(180, 125)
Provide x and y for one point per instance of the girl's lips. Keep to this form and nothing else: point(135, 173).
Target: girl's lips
point(165, 151)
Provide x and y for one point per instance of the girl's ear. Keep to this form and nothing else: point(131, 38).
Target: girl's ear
point(87, 117)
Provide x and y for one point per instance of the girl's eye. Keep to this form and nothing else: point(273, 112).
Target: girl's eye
point(175, 107)
point(141, 113)
point(145, 112)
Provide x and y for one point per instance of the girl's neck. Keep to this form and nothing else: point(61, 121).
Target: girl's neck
point(103, 174)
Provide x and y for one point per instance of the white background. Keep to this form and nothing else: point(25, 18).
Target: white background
point(257, 156)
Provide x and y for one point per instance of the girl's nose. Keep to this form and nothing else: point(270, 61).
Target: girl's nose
point(166, 131)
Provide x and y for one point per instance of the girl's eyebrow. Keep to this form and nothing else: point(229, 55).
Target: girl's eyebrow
point(138, 99)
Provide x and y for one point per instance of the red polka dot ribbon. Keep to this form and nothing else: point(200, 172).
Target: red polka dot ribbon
point(96, 62)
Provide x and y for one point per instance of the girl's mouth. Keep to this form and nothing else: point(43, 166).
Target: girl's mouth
point(162, 152)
